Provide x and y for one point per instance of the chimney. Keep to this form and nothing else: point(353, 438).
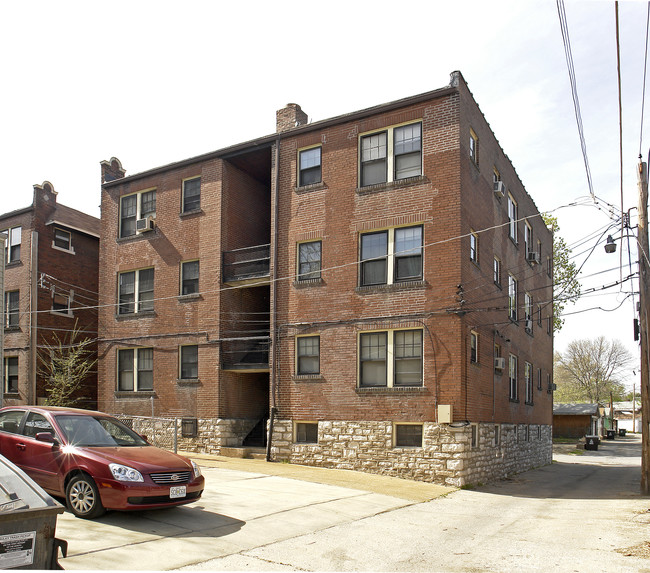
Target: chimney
point(289, 117)
point(111, 170)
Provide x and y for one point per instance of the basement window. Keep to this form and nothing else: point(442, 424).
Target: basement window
point(408, 435)
point(306, 433)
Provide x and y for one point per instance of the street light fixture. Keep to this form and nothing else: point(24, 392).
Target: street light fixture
point(610, 246)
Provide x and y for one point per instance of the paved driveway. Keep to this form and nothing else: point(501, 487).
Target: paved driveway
point(582, 513)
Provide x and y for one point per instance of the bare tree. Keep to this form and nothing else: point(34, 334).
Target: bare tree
point(65, 365)
point(591, 369)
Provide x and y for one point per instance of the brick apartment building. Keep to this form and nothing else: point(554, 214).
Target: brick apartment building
point(50, 281)
point(375, 288)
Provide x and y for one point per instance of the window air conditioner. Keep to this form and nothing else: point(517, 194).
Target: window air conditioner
point(499, 363)
point(144, 225)
point(499, 188)
point(533, 257)
point(529, 325)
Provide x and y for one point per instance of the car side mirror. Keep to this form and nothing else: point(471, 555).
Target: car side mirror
point(47, 437)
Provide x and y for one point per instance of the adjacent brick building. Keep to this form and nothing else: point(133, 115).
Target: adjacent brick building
point(377, 284)
point(50, 286)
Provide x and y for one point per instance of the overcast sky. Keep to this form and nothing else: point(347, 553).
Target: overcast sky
point(155, 82)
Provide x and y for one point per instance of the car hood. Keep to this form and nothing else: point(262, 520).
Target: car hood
point(146, 458)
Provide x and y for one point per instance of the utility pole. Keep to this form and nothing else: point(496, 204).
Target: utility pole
point(644, 302)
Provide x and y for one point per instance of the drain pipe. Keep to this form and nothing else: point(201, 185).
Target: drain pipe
point(274, 290)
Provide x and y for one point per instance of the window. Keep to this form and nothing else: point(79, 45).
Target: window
point(497, 435)
point(539, 432)
point(549, 385)
point(512, 297)
point(135, 369)
point(376, 350)
point(539, 378)
point(512, 218)
point(309, 260)
point(528, 378)
point(408, 435)
point(36, 424)
point(473, 347)
point(549, 267)
point(11, 375)
point(62, 240)
point(526, 433)
point(473, 147)
point(539, 315)
point(136, 291)
point(514, 394)
point(306, 432)
point(61, 303)
point(12, 309)
point(497, 272)
point(474, 436)
point(528, 312)
point(549, 324)
point(10, 420)
point(309, 170)
point(391, 155)
point(190, 277)
point(12, 248)
point(191, 194)
point(307, 355)
point(528, 239)
point(133, 207)
point(473, 247)
point(189, 359)
point(391, 256)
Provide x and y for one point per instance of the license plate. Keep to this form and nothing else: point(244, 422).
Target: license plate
point(177, 491)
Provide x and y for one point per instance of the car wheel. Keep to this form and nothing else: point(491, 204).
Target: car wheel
point(82, 497)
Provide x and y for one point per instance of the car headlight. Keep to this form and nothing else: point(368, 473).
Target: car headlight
point(197, 469)
point(125, 473)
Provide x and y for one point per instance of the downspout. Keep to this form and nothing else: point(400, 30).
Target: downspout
point(33, 318)
point(274, 292)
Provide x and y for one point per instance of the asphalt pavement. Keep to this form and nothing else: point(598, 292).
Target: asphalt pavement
point(582, 513)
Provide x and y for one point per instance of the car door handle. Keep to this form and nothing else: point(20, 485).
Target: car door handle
point(21, 446)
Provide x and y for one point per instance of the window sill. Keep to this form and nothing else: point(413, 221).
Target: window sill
point(308, 282)
point(529, 403)
point(514, 400)
point(189, 297)
point(391, 390)
point(61, 313)
point(135, 315)
point(131, 238)
point(392, 287)
point(12, 329)
point(513, 241)
point(12, 395)
point(13, 264)
point(308, 188)
point(70, 251)
point(188, 382)
point(135, 394)
point(378, 187)
point(529, 332)
point(308, 378)
point(192, 213)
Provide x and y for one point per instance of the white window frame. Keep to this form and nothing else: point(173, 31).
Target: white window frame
point(473, 147)
point(139, 214)
point(512, 218)
point(473, 247)
point(528, 312)
point(391, 256)
point(70, 248)
point(389, 358)
point(136, 294)
point(496, 271)
point(310, 168)
point(14, 239)
point(9, 312)
point(512, 298)
point(513, 389)
point(182, 277)
point(528, 378)
point(136, 370)
point(68, 296)
point(299, 356)
point(528, 239)
point(473, 347)
point(390, 153)
point(184, 183)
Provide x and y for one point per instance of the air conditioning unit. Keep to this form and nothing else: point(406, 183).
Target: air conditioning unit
point(499, 363)
point(529, 325)
point(146, 224)
point(533, 257)
point(499, 188)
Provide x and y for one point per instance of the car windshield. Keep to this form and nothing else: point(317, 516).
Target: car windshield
point(97, 431)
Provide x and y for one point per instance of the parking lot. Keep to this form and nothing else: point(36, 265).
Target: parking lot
point(240, 510)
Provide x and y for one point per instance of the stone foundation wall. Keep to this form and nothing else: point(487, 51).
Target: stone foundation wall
point(213, 434)
point(447, 455)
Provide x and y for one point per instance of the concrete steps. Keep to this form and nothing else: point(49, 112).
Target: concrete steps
point(245, 452)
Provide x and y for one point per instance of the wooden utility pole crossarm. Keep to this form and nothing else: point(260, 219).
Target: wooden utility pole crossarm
point(644, 297)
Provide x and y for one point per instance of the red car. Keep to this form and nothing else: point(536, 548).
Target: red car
point(95, 461)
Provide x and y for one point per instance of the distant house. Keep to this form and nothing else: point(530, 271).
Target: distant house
point(628, 415)
point(576, 420)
